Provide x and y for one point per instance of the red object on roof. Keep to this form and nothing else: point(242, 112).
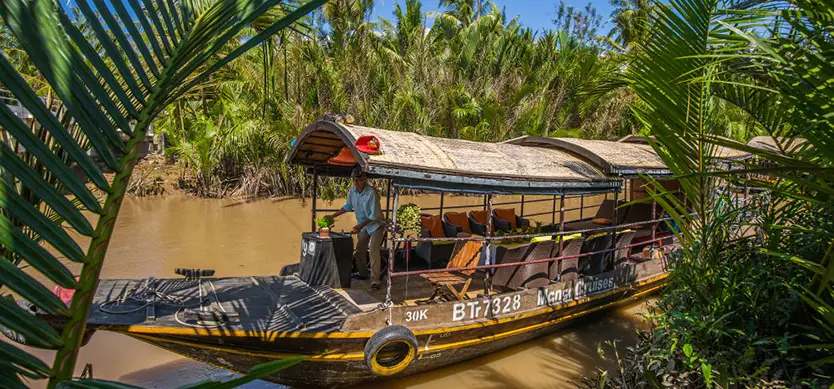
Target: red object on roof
point(344, 158)
point(369, 144)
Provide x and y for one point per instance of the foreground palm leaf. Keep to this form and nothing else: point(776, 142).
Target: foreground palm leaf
point(700, 55)
point(140, 57)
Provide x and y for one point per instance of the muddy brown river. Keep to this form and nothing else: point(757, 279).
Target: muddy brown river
point(241, 238)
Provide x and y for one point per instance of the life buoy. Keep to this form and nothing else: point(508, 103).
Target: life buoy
point(390, 350)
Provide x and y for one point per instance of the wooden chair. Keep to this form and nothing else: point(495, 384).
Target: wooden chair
point(466, 255)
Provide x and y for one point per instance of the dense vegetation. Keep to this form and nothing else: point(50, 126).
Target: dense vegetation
point(474, 74)
point(750, 298)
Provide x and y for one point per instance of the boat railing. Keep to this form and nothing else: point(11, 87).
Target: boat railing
point(520, 263)
point(613, 229)
point(528, 236)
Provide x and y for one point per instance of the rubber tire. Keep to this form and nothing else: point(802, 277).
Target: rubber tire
point(384, 337)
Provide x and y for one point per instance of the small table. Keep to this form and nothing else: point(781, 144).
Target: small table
point(326, 261)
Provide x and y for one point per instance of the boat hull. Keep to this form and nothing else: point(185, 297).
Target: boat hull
point(337, 359)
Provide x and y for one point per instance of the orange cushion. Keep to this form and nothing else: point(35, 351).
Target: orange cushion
point(507, 215)
point(603, 221)
point(481, 217)
point(344, 158)
point(433, 224)
point(459, 219)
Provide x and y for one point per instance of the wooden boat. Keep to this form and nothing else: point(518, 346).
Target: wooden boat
point(350, 334)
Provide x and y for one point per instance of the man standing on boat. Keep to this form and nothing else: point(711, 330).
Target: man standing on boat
point(363, 201)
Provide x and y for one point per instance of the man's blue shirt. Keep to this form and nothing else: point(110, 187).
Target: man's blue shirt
point(365, 205)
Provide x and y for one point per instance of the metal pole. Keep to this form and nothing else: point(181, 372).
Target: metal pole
point(654, 226)
point(615, 224)
point(314, 196)
point(388, 199)
point(522, 206)
point(391, 251)
point(487, 260)
point(582, 206)
point(441, 204)
point(561, 222)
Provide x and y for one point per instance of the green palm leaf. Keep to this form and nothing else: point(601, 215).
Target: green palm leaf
point(112, 81)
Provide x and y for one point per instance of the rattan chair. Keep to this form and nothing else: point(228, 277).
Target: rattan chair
point(524, 276)
point(623, 251)
point(595, 263)
point(566, 269)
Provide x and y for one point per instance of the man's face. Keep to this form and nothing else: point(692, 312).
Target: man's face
point(359, 183)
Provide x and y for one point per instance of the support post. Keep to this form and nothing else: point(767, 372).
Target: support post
point(615, 224)
point(441, 205)
point(522, 206)
point(314, 197)
point(561, 222)
point(388, 199)
point(487, 248)
point(654, 224)
point(391, 251)
point(582, 206)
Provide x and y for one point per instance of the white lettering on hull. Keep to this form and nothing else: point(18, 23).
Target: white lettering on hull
point(581, 289)
point(419, 315)
point(499, 305)
point(471, 310)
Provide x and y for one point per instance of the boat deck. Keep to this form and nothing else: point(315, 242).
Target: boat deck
point(264, 304)
point(260, 304)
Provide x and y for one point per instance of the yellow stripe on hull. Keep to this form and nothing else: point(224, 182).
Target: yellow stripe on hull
point(271, 336)
point(147, 336)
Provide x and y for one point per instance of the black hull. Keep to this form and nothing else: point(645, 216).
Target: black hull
point(343, 369)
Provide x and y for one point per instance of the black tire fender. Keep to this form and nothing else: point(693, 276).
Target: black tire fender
point(390, 350)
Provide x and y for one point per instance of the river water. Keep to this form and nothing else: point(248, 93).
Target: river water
point(241, 238)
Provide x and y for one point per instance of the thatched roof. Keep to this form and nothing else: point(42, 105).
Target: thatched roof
point(615, 158)
point(423, 161)
point(640, 139)
point(768, 143)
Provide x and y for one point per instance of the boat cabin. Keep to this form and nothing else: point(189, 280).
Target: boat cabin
point(527, 213)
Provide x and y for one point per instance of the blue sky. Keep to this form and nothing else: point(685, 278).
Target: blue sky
point(532, 13)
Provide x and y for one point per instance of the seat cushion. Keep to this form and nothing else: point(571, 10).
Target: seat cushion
point(602, 221)
point(459, 219)
point(433, 224)
point(479, 216)
point(507, 215)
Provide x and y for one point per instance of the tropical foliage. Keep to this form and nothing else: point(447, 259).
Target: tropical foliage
point(750, 301)
point(114, 67)
point(474, 74)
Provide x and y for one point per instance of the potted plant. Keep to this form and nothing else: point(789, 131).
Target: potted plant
point(325, 223)
point(408, 218)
